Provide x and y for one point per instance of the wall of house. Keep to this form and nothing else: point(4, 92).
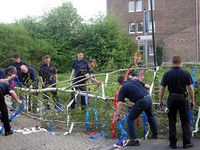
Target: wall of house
point(175, 25)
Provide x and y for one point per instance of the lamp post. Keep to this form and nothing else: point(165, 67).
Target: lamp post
point(153, 35)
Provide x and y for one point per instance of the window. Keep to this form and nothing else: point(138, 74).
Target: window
point(149, 4)
point(138, 5)
point(140, 27)
point(132, 28)
point(131, 6)
point(136, 27)
point(150, 26)
point(150, 51)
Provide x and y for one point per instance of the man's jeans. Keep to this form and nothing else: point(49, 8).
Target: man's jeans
point(144, 104)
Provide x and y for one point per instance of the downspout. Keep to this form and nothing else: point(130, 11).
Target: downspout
point(197, 29)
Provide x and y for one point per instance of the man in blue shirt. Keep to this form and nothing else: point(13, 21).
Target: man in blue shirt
point(7, 72)
point(5, 89)
point(29, 77)
point(17, 62)
point(135, 91)
point(79, 69)
point(178, 81)
point(48, 76)
point(29, 80)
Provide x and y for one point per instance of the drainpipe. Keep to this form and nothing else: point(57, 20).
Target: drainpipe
point(197, 29)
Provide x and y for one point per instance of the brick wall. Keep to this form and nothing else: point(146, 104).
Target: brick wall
point(175, 25)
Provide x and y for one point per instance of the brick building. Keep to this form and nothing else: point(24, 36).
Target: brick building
point(176, 26)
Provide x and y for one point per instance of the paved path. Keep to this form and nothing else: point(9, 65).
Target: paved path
point(158, 144)
point(74, 141)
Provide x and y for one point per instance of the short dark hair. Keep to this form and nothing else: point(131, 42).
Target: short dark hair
point(11, 70)
point(176, 60)
point(92, 60)
point(79, 51)
point(46, 57)
point(120, 79)
point(16, 56)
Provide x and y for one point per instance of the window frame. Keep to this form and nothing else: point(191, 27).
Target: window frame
point(130, 24)
point(137, 27)
point(129, 4)
point(150, 50)
point(137, 2)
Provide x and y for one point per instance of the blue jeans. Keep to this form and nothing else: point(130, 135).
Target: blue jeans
point(144, 104)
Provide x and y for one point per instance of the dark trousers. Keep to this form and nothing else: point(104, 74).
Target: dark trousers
point(4, 113)
point(141, 105)
point(178, 103)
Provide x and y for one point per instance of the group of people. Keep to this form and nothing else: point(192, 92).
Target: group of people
point(20, 74)
point(179, 82)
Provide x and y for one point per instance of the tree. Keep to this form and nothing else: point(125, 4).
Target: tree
point(60, 26)
point(105, 41)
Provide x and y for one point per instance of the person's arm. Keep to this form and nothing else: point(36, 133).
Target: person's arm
point(161, 94)
point(56, 76)
point(14, 96)
point(147, 86)
point(72, 74)
point(93, 80)
point(191, 93)
point(41, 79)
point(6, 80)
point(119, 107)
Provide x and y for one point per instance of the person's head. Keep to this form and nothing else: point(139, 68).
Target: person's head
point(24, 68)
point(47, 59)
point(120, 79)
point(11, 71)
point(176, 61)
point(16, 58)
point(80, 54)
point(137, 59)
point(92, 63)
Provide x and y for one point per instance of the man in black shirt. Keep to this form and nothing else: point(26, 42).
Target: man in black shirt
point(135, 91)
point(177, 80)
point(6, 88)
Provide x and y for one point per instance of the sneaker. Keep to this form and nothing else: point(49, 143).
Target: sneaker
point(133, 142)
point(8, 133)
point(185, 146)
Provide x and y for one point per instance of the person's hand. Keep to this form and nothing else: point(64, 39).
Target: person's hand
point(98, 83)
point(87, 76)
point(161, 104)
point(118, 117)
point(12, 77)
point(192, 104)
point(19, 101)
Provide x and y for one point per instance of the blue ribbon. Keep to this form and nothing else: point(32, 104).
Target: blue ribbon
point(18, 112)
point(123, 132)
point(87, 112)
point(59, 104)
point(51, 126)
point(14, 116)
point(194, 71)
point(99, 135)
point(145, 123)
point(139, 72)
